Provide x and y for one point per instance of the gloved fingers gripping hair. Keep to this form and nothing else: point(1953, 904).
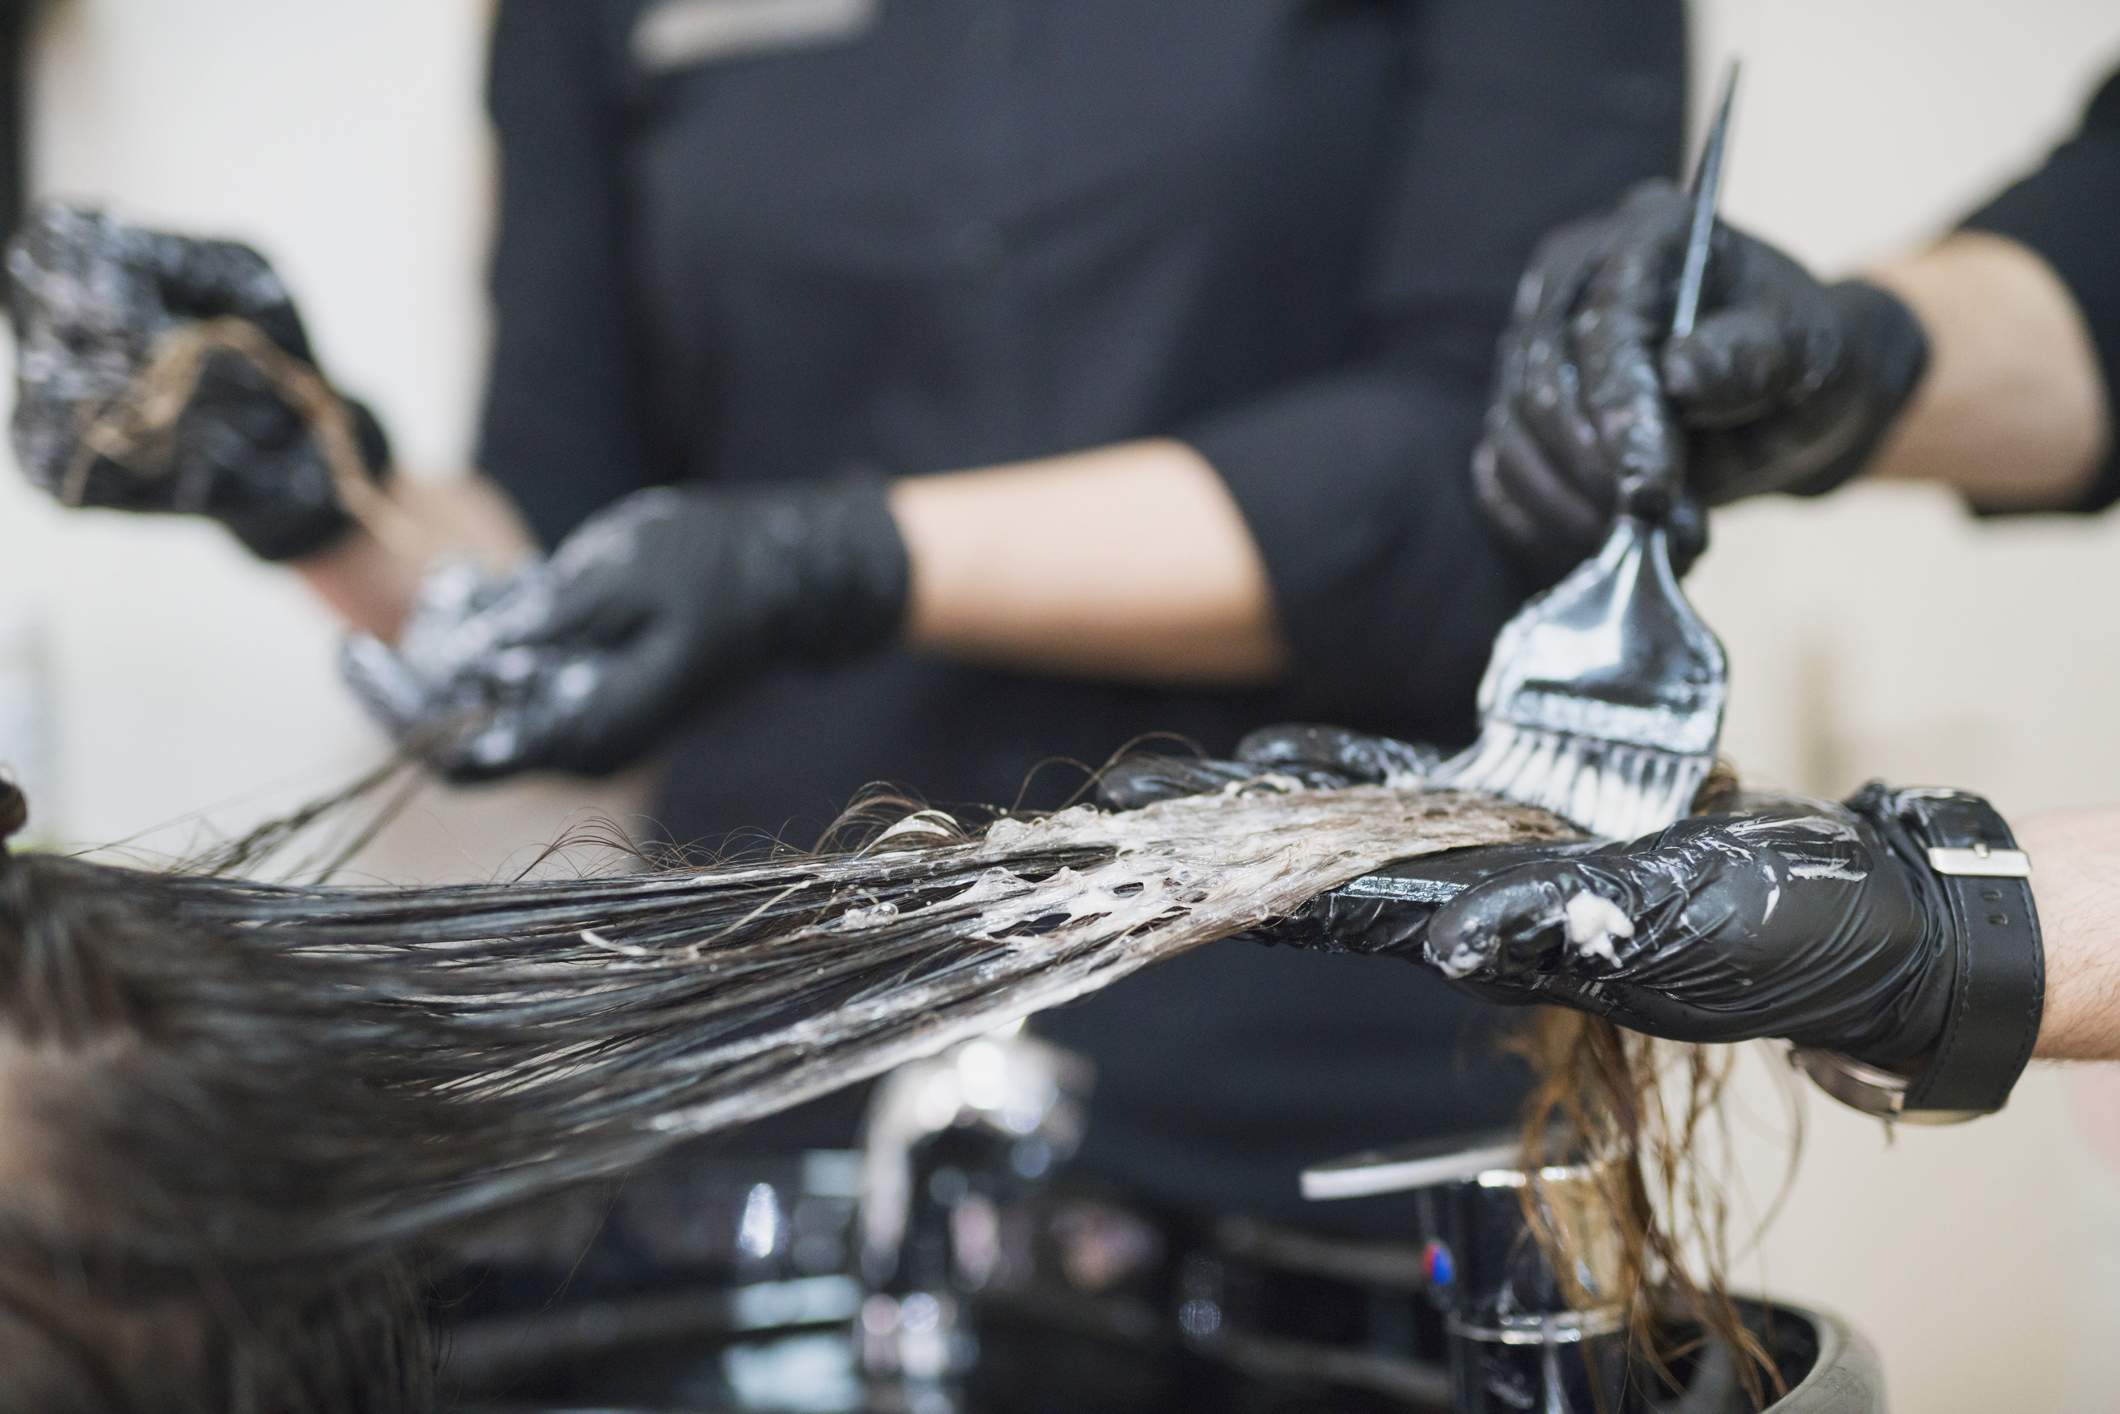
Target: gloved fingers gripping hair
point(1807, 921)
point(1286, 753)
point(205, 278)
point(1386, 911)
point(452, 691)
point(473, 735)
point(423, 692)
point(585, 661)
point(1143, 779)
point(1337, 756)
point(154, 373)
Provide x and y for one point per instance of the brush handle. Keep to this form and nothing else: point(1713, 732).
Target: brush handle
point(1707, 197)
point(1661, 503)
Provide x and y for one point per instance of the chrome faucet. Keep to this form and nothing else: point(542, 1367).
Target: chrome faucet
point(948, 1141)
point(1524, 1335)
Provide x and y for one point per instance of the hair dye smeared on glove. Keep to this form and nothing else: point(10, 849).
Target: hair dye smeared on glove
point(586, 660)
point(162, 373)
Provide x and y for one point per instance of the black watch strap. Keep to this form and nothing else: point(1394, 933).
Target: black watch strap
point(1998, 987)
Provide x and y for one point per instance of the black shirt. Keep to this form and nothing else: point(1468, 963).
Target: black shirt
point(2068, 211)
point(971, 231)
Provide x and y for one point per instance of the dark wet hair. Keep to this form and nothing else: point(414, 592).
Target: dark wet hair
point(134, 1150)
point(236, 1110)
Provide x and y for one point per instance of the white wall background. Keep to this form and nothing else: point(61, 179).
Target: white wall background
point(195, 689)
point(1881, 634)
point(1887, 635)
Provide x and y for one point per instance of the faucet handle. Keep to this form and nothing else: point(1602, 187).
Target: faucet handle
point(1410, 1167)
point(1473, 1200)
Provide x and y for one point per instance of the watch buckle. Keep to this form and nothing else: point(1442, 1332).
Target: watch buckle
point(1869, 1089)
point(1980, 862)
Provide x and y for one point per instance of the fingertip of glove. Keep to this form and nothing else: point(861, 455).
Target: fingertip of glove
point(379, 679)
point(1462, 938)
point(1126, 786)
point(1652, 197)
point(1687, 367)
point(362, 653)
point(493, 750)
point(1536, 918)
point(1136, 781)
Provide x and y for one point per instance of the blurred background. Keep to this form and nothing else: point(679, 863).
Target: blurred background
point(188, 690)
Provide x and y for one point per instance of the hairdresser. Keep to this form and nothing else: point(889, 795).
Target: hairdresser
point(1894, 937)
point(930, 391)
point(1916, 982)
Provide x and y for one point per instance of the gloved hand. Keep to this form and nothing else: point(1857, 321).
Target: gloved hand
point(93, 299)
point(1326, 758)
point(584, 661)
point(1818, 923)
point(1785, 383)
point(1387, 911)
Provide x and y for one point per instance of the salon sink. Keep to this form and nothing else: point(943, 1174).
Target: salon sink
point(738, 1289)
point(1827, 1366)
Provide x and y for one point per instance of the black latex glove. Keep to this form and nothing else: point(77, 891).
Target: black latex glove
point(1818, 923)
point(585, 661)
point(92, 297)
point(1785, 384)
point(1385, 912)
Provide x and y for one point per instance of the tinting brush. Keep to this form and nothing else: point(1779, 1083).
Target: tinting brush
point(1604, 699)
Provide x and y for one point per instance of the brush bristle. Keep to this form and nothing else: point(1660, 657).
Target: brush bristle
point(1615, 790)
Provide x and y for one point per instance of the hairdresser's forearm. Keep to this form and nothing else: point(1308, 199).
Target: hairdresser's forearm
point(2012, 411)
point(370, 585)
point(365, 583)
point(1130, 562)
point(2076, 881)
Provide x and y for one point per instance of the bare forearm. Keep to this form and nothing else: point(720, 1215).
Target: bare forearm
point(2076, 881)
point(2012, 411)
point(369, 584)
point(1129, 561)
point(364, 582)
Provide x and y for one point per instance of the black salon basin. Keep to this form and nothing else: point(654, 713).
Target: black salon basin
point(1828, 1368)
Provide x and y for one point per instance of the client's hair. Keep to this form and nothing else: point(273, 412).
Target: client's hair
point(1656, 1108)
point(232, 1108)
point(162, 1114)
